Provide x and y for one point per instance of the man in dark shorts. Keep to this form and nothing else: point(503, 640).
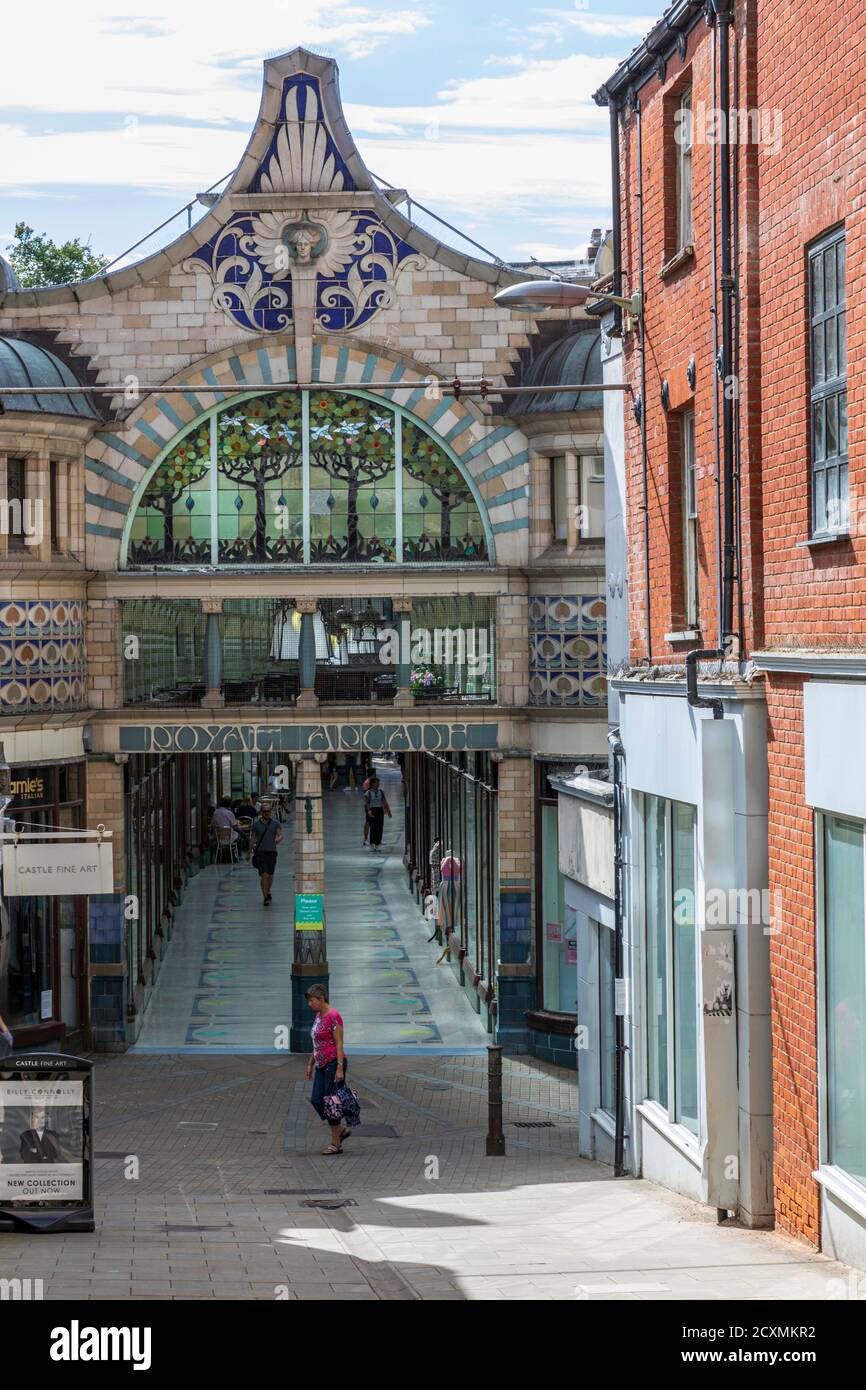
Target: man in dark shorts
point(265, 835)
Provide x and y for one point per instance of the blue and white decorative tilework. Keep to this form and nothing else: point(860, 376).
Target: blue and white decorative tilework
point(568, 650)
point(41, 654)
point(258, 259)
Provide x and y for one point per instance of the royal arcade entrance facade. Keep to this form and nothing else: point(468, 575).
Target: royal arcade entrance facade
point(281, 543)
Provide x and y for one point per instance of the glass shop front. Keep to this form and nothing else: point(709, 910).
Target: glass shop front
point(43, 947)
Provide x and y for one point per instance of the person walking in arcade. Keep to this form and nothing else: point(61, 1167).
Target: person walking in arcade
point(376, 804)
point(265, 835)
point(326, 1068)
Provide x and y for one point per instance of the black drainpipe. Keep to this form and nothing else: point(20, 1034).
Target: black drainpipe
point(616, 229)
point(643, 399)
point(725, 15)
point(617, 759)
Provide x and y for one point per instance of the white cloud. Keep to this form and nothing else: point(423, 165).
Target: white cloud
point(544, 94)
point(560, 24)
point(176, 106)
point(480, 171)
point(147, 157)
point(175, 60)
point(486, 173)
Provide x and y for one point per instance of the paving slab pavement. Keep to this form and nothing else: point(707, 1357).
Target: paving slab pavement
point(219, 1212)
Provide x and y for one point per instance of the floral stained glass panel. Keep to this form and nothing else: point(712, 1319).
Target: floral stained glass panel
point(172, 524)
point(352, 475)
point(440, 518)
point(260, 485)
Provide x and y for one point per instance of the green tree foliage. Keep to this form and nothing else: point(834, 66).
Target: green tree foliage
point(37, 260)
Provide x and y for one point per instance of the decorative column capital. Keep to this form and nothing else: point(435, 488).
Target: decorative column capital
point(403, 604)
point(211, 605)
point(306, 605)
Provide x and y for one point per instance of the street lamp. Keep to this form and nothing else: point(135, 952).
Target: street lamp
point(537, 295)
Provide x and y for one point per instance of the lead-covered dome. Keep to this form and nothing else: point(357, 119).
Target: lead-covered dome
point(27, 364)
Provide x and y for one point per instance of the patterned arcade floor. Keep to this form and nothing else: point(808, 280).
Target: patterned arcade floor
point(225, 982)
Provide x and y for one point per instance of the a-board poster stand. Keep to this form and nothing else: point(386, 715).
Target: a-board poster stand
point(46, 1143)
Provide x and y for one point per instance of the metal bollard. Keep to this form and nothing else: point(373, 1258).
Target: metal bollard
point(495, 1135)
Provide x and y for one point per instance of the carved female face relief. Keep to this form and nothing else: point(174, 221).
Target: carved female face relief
point(305, 241)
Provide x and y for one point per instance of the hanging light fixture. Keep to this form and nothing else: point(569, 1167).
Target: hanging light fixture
point(286, 635)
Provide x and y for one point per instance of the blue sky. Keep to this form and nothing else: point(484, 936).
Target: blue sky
point(114, 116)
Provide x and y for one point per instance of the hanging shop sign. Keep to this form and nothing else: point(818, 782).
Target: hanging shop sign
point(46, 1144)
point(306, 738)
point(48, 865)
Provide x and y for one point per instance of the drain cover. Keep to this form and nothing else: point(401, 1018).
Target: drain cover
point(175, 1229)
point(330, 1203)
point(534, 1124)
point(300, 1191)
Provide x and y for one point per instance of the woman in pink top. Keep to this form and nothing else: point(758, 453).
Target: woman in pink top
point(327, 1066)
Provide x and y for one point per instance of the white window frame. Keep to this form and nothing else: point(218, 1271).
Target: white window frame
point(591, 476)
point(558, 464)
point(691, 603)
point(684, 126)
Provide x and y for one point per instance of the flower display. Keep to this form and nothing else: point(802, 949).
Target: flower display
point(425, 678)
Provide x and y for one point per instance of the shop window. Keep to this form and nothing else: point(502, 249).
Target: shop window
point(606, 1014)
point(828, 385)
point(556, 923)
point(672, 959)
point(42, 930)
point(844, 942)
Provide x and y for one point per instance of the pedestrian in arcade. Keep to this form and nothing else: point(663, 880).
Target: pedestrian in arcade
point(368, 775)
point(265, 835)
point(326, 1068)
point(377, 808)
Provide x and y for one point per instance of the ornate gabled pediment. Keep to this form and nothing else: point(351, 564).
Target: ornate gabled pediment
point(307, 243)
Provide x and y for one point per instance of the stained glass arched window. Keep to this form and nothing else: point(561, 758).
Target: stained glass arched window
point(232, 490)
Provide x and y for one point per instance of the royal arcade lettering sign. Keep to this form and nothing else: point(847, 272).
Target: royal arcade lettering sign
point(307, 738)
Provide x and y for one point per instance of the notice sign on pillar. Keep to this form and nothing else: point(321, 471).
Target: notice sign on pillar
point(46, 1113)
point(32, 869)
point(309, 929)
point(309, 912)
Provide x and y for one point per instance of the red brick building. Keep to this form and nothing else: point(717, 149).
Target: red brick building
point(740, 159)
point(811, 245)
